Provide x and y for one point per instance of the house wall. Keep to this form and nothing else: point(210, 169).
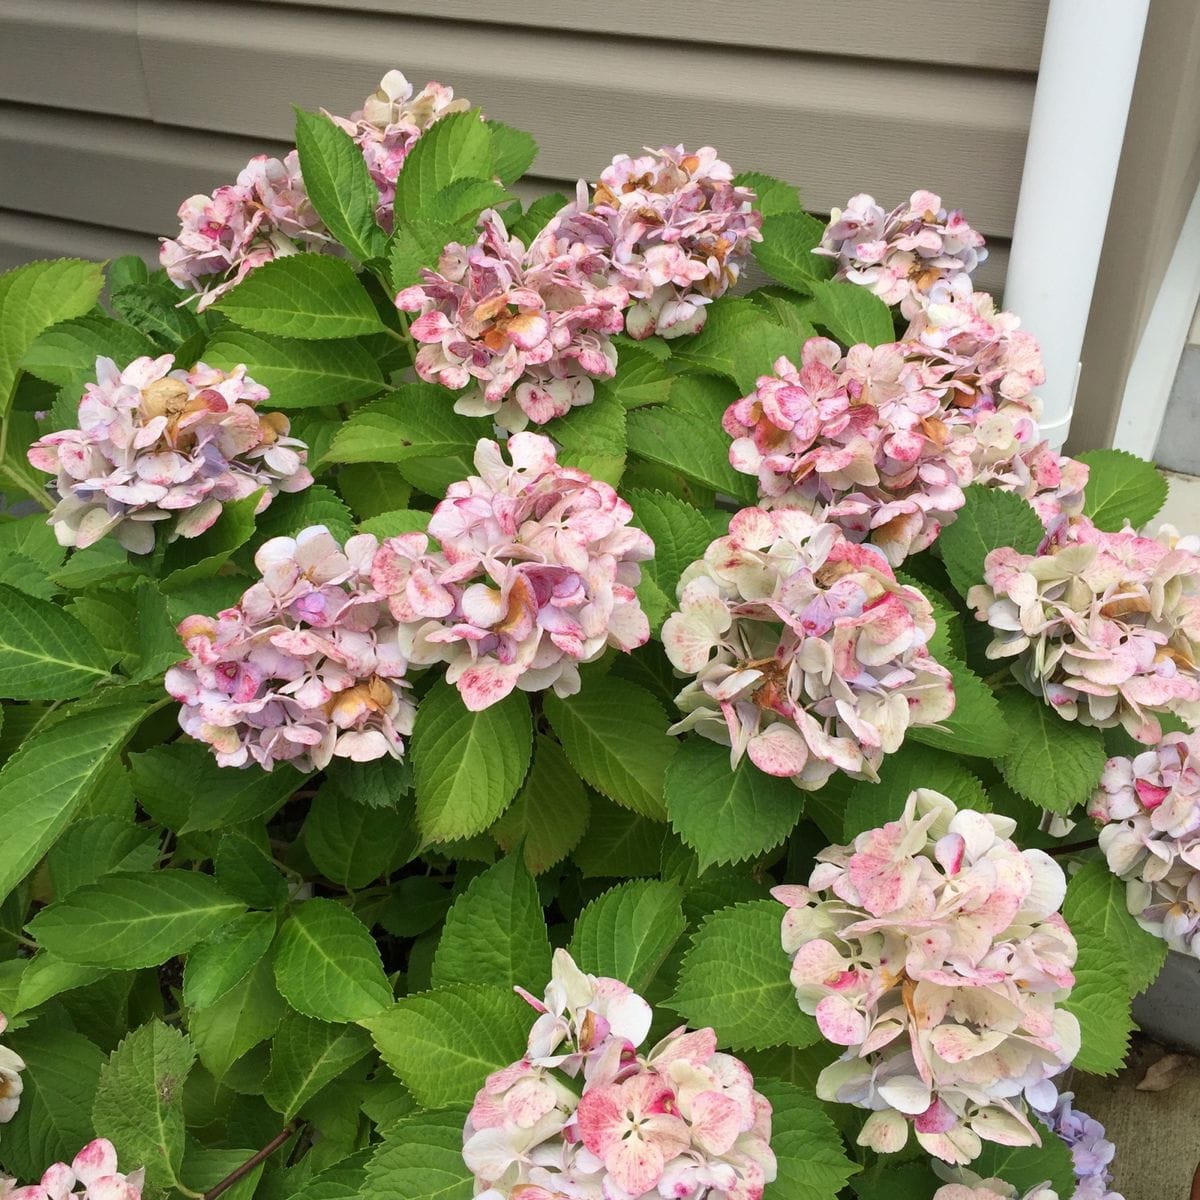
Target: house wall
point(113, 111)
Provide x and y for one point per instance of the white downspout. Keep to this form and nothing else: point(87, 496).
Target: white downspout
point(1085, 80)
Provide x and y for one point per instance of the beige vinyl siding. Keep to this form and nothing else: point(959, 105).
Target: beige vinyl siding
point(113, 111)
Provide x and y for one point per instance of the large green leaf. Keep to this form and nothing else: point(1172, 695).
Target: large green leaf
point(811, 1158)
point(495, 931)
point(420, 1158)
point(786, 249)
point(134, 920)
point(627, 932)
point(45, 653)
point(34, 297)
point(853, 314)
point(738, 341)
point(327, 965)
point(727, 814)
point(97, 846)
point(299, 374)
point(593, 438)
point(226, 957)
point(188, 560)
point(247, 1014)
point(51, 777)
point(307, 296)
point(975, 727)
point(1121, 488)
point(467, 766)
point(353, 843)
point(139, 1102)
point(615, 734)
point(443, 1044)
point(1025, 1167)
point(989, 518)
point(65, 354)
point(418, 244)
point(338, 184)
point(771, 196)
point(305, 1056)
point(735, 977)
point(681, 534)
point(619, 844)
point(513, 151)
point(456, 147)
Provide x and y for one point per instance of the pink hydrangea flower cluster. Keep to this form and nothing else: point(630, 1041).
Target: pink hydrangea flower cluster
point(583, 1116)
point(1091, 1152)
point(861, 440)
point(671, 228)
point(1150, 806)
point(155, 443)
point(306, 667)
point(266, 214)
point(11, 1066)
point(807, 654)
point(933, 950)
point(1104, 626)
point(915, 254)
point(968, 1186)
point(91, 1175)
point(525, 335)
point(536, 574)
point(388, 125)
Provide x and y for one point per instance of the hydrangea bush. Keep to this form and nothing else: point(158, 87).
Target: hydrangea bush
point(493, 705)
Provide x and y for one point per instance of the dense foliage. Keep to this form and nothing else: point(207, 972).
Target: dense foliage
point(440, 596)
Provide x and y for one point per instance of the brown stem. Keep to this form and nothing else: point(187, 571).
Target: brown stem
point(252, 1162)
point(1059, 851)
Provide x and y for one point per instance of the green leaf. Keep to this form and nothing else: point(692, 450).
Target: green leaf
point(592, 438)
point(126, 270)
point(401, 520)
point(92, 848)
point(1121, 487)
point(307, 296)
point(735, 977)
point(456, 147)
point(188, 560)
point(727, 814)
point(414, 905)
point(226, 957)
point(513, 151)
point(32, 538)
point(298, 373)
point(989, 518)
point(535, 218)
point(772, 196)
point(619, 843)
point(738, 341)
point(976, 727)
point(51, 777)
point(627, 932)
point(134, 920)
point(65, 354)
point(686, 436)
point(34, 297)
point(247, 1014)
point(417, 428)
point(45, 654)
point(641, 379)
point(210, 796)
point(327, 965)
point(418, 244)
point(852, 313)
point(338, 184)
point(373, 488)
point(54, 1119)
point(305, 1056)
point(1024, 1167)
point(316, 505)
point(139, 1102)
point(681, 535)
point(443, 1044)
point(245, 869)
point(812, 1162)
point(548, 818)
point(467, 766)
point(1052, 762)
point(464, 199)
point(615, 735)
point(872, 805)
point(495, 931)
point(154, 309)
point(420, 1158)
point(786, 250)
point(353, 843)
point(46, 976)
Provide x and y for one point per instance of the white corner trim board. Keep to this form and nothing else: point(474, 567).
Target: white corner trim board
point(1148, 386)
point(1088, 66)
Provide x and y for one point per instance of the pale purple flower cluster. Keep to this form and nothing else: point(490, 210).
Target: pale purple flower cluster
point(807, 654)
point(266, 214)
point(1091, 1151)
point(91, 1175)
point(933, 950)
point(671, 228)
point(536, 575)
point(388, 125)
point(1151, 837)
point(526, 335)
point(155, 444)
point(911, 256)
point(307, 666)
point(11, 1066)
point(1104, 626)
point(583, 1116)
